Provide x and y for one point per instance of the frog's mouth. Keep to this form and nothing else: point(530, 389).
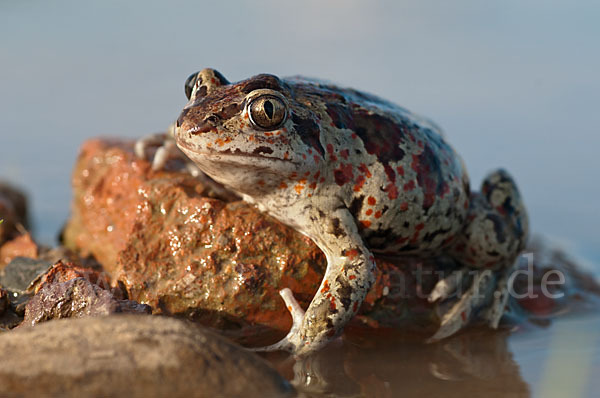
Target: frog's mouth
point(258, 158)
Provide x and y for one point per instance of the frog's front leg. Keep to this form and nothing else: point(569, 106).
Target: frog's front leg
point(349, 275)
point(495, 233)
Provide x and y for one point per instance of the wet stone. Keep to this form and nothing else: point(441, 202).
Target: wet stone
point(131, 355)
point(76, 298)
point(18, 275)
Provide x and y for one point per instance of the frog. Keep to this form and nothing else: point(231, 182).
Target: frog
point(361, 177)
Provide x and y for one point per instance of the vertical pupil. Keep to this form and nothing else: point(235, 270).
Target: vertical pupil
point(268, 106)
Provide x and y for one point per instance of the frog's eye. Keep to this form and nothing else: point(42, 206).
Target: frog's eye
point(190, 82)
point(267, 112)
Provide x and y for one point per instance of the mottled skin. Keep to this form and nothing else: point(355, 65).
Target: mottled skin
point(356, 174)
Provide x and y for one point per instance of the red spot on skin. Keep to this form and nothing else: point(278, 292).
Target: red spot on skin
point(400, 170)
point(325, 288)
point(419, 227)
point(501, 210)
point(378, 214)
point(268, 134)
point(286, 155)
point(299, 188)
point(246, 116)
point(317, 174)
point(345, 154)
point(332, 304)
point(316, 158)
point(392, 191)
point(212, 80)
point(389, 172)
point(354, 136)
point(333, 158)
point(401, 240)
point(429, 199)
point(309, 151)
point(360, 181)
point(261, 183)
point(403, 206)
point(365, 223)
point(371, 201)
point(352, 277)
point(415, 163)
point(343, 174)
point(307, 174)
point(322, 179)
point(283, 129)
point(369, 212)
point(303, 156)
point(409, 186)
point(313, 185)
point(293, 175)
point(420, 144)
point(363, 169)
point(329, 149)
point(448, 240)
point(219, 142)
point(283, 185)
point(351, 254)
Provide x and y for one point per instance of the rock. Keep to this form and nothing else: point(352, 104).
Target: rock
point(127, 355)
point(4, 302)
point(21, 246)
point(76, 298)
point(13, 210)
point(21, 272)
point(63, 271)
point(182, 251)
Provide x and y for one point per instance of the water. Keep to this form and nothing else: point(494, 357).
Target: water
point(514, 84)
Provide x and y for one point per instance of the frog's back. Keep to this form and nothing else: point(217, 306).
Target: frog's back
point(404, 184)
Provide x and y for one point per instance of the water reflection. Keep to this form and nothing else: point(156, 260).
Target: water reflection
point(475, 363)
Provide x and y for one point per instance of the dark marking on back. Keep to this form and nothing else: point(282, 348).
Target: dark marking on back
point(380, 135)
point(309, 132)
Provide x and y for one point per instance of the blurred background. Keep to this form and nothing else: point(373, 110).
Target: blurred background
point(514, 83)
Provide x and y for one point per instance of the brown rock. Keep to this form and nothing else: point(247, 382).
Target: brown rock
point(75, 298)
point(63, 271)
point(130, 356)
point(21, 246)
point(13, 210)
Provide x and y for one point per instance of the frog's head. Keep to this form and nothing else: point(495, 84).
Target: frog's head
point(249, 135)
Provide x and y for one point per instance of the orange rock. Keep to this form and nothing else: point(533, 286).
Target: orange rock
point(21, 246)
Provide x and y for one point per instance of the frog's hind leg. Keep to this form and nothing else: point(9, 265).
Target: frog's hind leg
point(495, 233)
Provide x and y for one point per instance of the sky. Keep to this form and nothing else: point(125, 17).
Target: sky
point(514, 84)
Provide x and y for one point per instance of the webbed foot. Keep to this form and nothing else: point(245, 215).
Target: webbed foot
point(484, 298)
